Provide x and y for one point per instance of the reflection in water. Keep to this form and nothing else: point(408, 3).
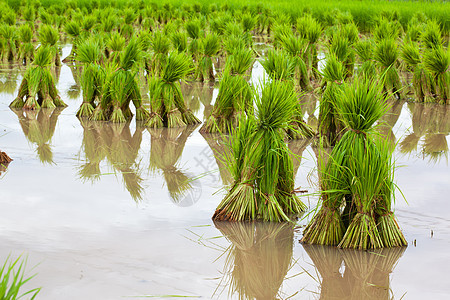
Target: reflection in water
point(390, 118)
point(167, 146)
point(115, 143)
point(195, 93)
point(308, 105)
point(258, 259)
point(4, 161)
point(8, 78)
point(39, 127)
point(219, 146)
point(74, 91)
point(353, 274)
point(297, 147)
point(430, 122)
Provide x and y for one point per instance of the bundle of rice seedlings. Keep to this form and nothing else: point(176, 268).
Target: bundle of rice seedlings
point(296, 48)
point(235, 94)
point(120, 88)
point(167, 105)
point(281, 67)
point(340, 46)
point(26, 48)
point(258, 259)
point(38, 86)
point(387, 29)
point(49, 36)
point(180, 40)
point(249, 22)
point(209, 47)
point(421, 84)
point(437, 61)
point(431, 36)
point(73, 29)
point(114, 47)
point(9, 36)
point(364, 49)
point(90, 55)
point(386, 56)
point(160, 45)
point(329, 125)
point(311, 30)
point(193, 29)
point(259, 162)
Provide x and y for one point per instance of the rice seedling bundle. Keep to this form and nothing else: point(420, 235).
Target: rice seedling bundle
point(38, 85)
point(9, 35)
point(386, 55)
point(193, 29)
point(281, 67)
point(364, 49)
point(234, 100)
point(209, 47)
point(357, 180)
point(120, 87)
point(49, 36)
point(259, 162)
point(387, 29)
point(26, 48)
point(168, 108)
point(310, 29)
point(437, 61)
point(340, 46)
point(329, 124)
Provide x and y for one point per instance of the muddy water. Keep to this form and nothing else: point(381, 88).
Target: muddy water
point(111, 211)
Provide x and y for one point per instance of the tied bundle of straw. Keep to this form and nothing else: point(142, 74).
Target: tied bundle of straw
point(38, 83)
point(260, 164)
point(281, 67)
point(168, 108)
point(234, 100)
point(358, 177)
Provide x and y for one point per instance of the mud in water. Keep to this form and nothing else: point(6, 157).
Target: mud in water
point(109, 211)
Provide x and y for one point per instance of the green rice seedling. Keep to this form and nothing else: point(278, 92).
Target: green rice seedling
point(73, 30)
point(386, 29)
point(193, 29)
point(49, 36)
point(26, 48)
point(38, 85)
point(260, 164)
point(160, 46)
point(437, 61)
point(340, 46)
point(431, 37)
point(13, 279)
point(209, 48)
point(114, 47)
point(180, 40)
point(249, 22)
point(281, 67)
point(388, 227)
point(281, 31)
point(329, 125)
point(386, 55)
point(364, 49)
point(296, 48)
point(90, 55)
point(167, 105)
point(235, 94)
point(9, 35)
point(311, 30)
point(421, 83)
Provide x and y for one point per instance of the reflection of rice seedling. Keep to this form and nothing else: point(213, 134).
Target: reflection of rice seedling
point(436, 146)
point(218, 145)
point(4, 161)
point(235, 94)
point(259, 162)
point(166, 148)
point(38, 82)
point(166, 100)
point(258, 259)
point(12, 280)
point(39, 127)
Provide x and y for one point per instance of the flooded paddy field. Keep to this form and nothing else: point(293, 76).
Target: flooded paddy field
point(106, 211)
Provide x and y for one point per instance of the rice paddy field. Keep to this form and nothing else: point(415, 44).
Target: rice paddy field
point(130, 126)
